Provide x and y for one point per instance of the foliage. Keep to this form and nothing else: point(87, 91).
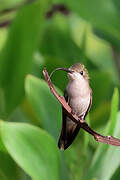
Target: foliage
point(81, 31)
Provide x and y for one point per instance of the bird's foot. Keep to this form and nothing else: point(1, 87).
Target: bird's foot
point(73, 112)
point(82, 120)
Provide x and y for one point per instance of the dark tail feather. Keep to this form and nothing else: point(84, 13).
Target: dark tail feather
point(66, 139)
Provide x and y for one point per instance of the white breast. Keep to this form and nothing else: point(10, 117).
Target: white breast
point(79, 96)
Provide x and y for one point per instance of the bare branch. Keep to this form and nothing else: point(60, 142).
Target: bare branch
point(98, 137)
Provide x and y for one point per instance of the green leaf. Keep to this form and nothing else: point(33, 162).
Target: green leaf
point(108, 160)
point(86, 137)
point(113, 114)
point(47, 110)
point(45, 105)
point(104, 18)
point(6, 4)
point(96, 78)
point(17, 55)
point(100, 53)
point(100, 104)
point(3, 34)
point(111, 123)
point(32, 148)
point(8, 168)
point(107, 155)
point(59, 41)
point(2, 147)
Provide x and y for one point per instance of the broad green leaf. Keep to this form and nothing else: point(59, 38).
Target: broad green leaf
point(112, 155)
point(2, 147)
point(104, 18)
point(47, 110)
point(96, 49)
point(113, 113)
point(59, 41)
point(108, 160)
point(8, 168)
point(106, 157)
point(74, 159)
point(3, 35)
point(17, 54)
point(95, 78)
point(6, 4)
point(116, 175)
point(100, 53)
point(86, 137)
point(32, 148)
point(113, 40)
point(45, 105)
point(111, 124)
point(100, 114)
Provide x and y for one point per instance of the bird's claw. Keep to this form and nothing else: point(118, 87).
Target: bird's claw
point(72, 112)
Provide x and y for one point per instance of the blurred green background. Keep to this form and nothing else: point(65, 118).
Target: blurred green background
point(41, 33)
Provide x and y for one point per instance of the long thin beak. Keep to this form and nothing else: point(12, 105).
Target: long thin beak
point(63, 69)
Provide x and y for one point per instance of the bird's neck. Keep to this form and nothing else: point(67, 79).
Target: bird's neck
point(78, 87)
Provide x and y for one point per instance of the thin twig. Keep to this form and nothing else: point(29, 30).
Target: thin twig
point(98, 137)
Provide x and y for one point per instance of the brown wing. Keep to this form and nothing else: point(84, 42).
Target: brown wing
point(89, 104)
point(69, 130)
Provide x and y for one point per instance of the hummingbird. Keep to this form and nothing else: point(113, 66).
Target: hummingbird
point(78, 95)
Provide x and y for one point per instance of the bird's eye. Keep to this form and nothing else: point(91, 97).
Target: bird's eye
point(81, 72)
